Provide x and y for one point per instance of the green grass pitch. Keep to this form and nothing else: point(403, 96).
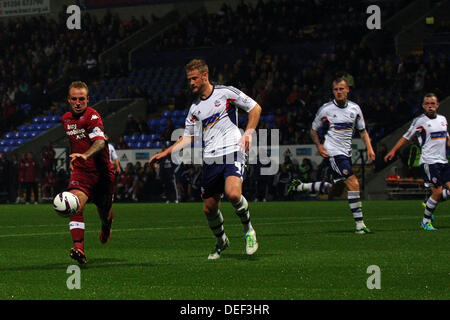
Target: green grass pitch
point(159, 251)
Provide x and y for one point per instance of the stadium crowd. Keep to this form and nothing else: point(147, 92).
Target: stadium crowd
point(39, 53)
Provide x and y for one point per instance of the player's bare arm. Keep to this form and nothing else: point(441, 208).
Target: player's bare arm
point(400, 143)
point(253, 119)
point(366, 138)
point(316, 140)
point(97, 146)
point(184, 141)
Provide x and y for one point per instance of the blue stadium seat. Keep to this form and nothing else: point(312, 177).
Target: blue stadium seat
point(24, 134)
point(156, 145)
point(142, 138)
point(9, 135)
point(31, 127)
point(148, 144)
point(152, 123)
point(166, 114)
point(179, 122)
point(133, 138)
point(154, 137)
point(127, 139)
point(56, 118)
point(37, 120)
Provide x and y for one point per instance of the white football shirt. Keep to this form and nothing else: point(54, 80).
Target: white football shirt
point(432, 135)
point(218, 116)
point(112, 153)
point(341, 121)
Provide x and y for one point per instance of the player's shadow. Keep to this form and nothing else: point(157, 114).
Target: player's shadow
point(246, 257)
point(91, 264)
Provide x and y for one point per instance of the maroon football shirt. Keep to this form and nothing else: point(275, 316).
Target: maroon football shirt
point(82, 130)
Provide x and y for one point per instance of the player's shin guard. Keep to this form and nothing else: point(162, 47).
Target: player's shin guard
point(76, 226)
point(315, 187)
point(429, 209)
point(241, 209)
point(215, 223)
point(354, 201)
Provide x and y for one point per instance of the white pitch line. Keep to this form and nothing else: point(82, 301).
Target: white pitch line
point(299, 220)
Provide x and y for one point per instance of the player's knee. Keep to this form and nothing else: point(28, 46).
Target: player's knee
point(209, 209)
point(352, 183)
point(437, 193)
point(234, 196)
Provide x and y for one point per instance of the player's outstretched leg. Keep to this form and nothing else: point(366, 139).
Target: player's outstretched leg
point(311, 187)
point(428, 215)
point(106, 215)
point(242, 211)
point(77, 226)
point(105, 232)
point(354, 201)
point(215, 223)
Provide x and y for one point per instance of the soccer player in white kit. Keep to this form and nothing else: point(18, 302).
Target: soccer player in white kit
point(342, 117)
point(215, 111)
point(432, 131)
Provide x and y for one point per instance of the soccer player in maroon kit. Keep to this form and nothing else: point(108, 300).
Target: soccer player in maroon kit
point(92, 175)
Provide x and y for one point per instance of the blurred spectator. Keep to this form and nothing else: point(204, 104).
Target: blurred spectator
point(190, 183)
point(4, 177)
point(13, 178)
point(122, 144)
point(305, 170)
point(91, 66)
point(48, 186)
point(167, 175)
point(281, 181)
point(124, 183)
point(62, 180)
point(48, 158)
point(138, 183)
point(379, 159)
point(131, 126)
point(166, 134)
point(31, 178)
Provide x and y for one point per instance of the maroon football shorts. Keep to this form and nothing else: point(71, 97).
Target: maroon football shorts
point(97, 186)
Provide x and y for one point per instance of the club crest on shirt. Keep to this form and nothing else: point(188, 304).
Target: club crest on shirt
point(217, 103)
point(352, 115)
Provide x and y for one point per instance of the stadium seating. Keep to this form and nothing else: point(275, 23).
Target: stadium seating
point(24, 132)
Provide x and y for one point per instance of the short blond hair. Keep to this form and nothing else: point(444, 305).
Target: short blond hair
point(197, 64)
point(78, 85)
